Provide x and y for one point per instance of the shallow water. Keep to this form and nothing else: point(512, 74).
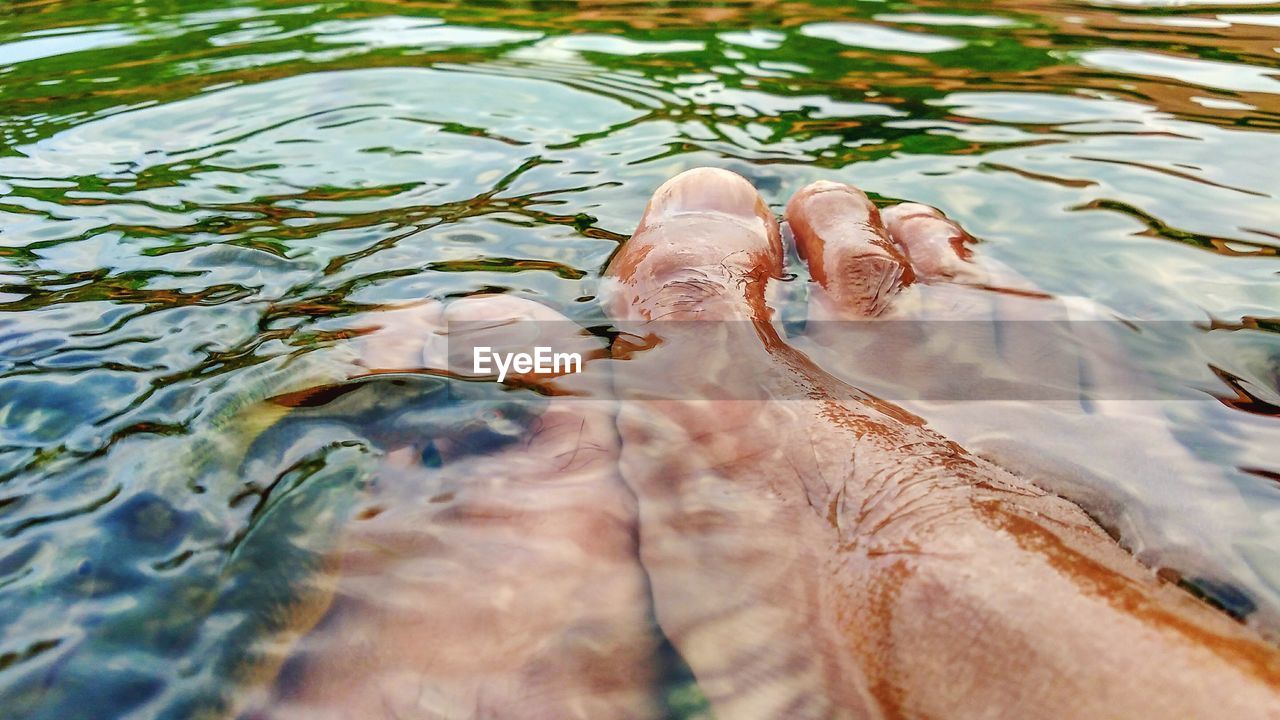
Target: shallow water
point(195, 192)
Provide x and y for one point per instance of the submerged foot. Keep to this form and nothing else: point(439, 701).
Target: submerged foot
point(814, 552)
point(489, 574)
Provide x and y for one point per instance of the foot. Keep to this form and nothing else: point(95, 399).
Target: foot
point(492, 571)
point(1048, 386)
point(815, 552)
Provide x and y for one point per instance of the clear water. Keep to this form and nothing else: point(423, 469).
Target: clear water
point(194, 193)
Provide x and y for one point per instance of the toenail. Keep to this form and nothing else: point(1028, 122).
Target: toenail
point(706, 190)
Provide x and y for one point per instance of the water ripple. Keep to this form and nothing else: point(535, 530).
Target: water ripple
point(197, 200)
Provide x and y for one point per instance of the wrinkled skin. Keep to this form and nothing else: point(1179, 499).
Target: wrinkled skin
point(809, 550)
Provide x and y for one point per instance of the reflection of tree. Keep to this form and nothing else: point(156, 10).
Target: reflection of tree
point(1007, 58)
point(1190, 32)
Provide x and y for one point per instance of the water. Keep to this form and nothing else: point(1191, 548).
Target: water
point(194, 195)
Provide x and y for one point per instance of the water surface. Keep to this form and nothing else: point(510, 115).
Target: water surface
point(195, 194)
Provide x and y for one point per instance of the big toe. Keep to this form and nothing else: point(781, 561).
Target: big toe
point(705, 247)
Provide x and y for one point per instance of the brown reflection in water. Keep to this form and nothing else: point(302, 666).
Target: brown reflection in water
point(1244, 399)
point(1068, 26)
point(1158, 229)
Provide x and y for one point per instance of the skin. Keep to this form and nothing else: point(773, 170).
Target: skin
point(811, 551)
point(501, 584)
